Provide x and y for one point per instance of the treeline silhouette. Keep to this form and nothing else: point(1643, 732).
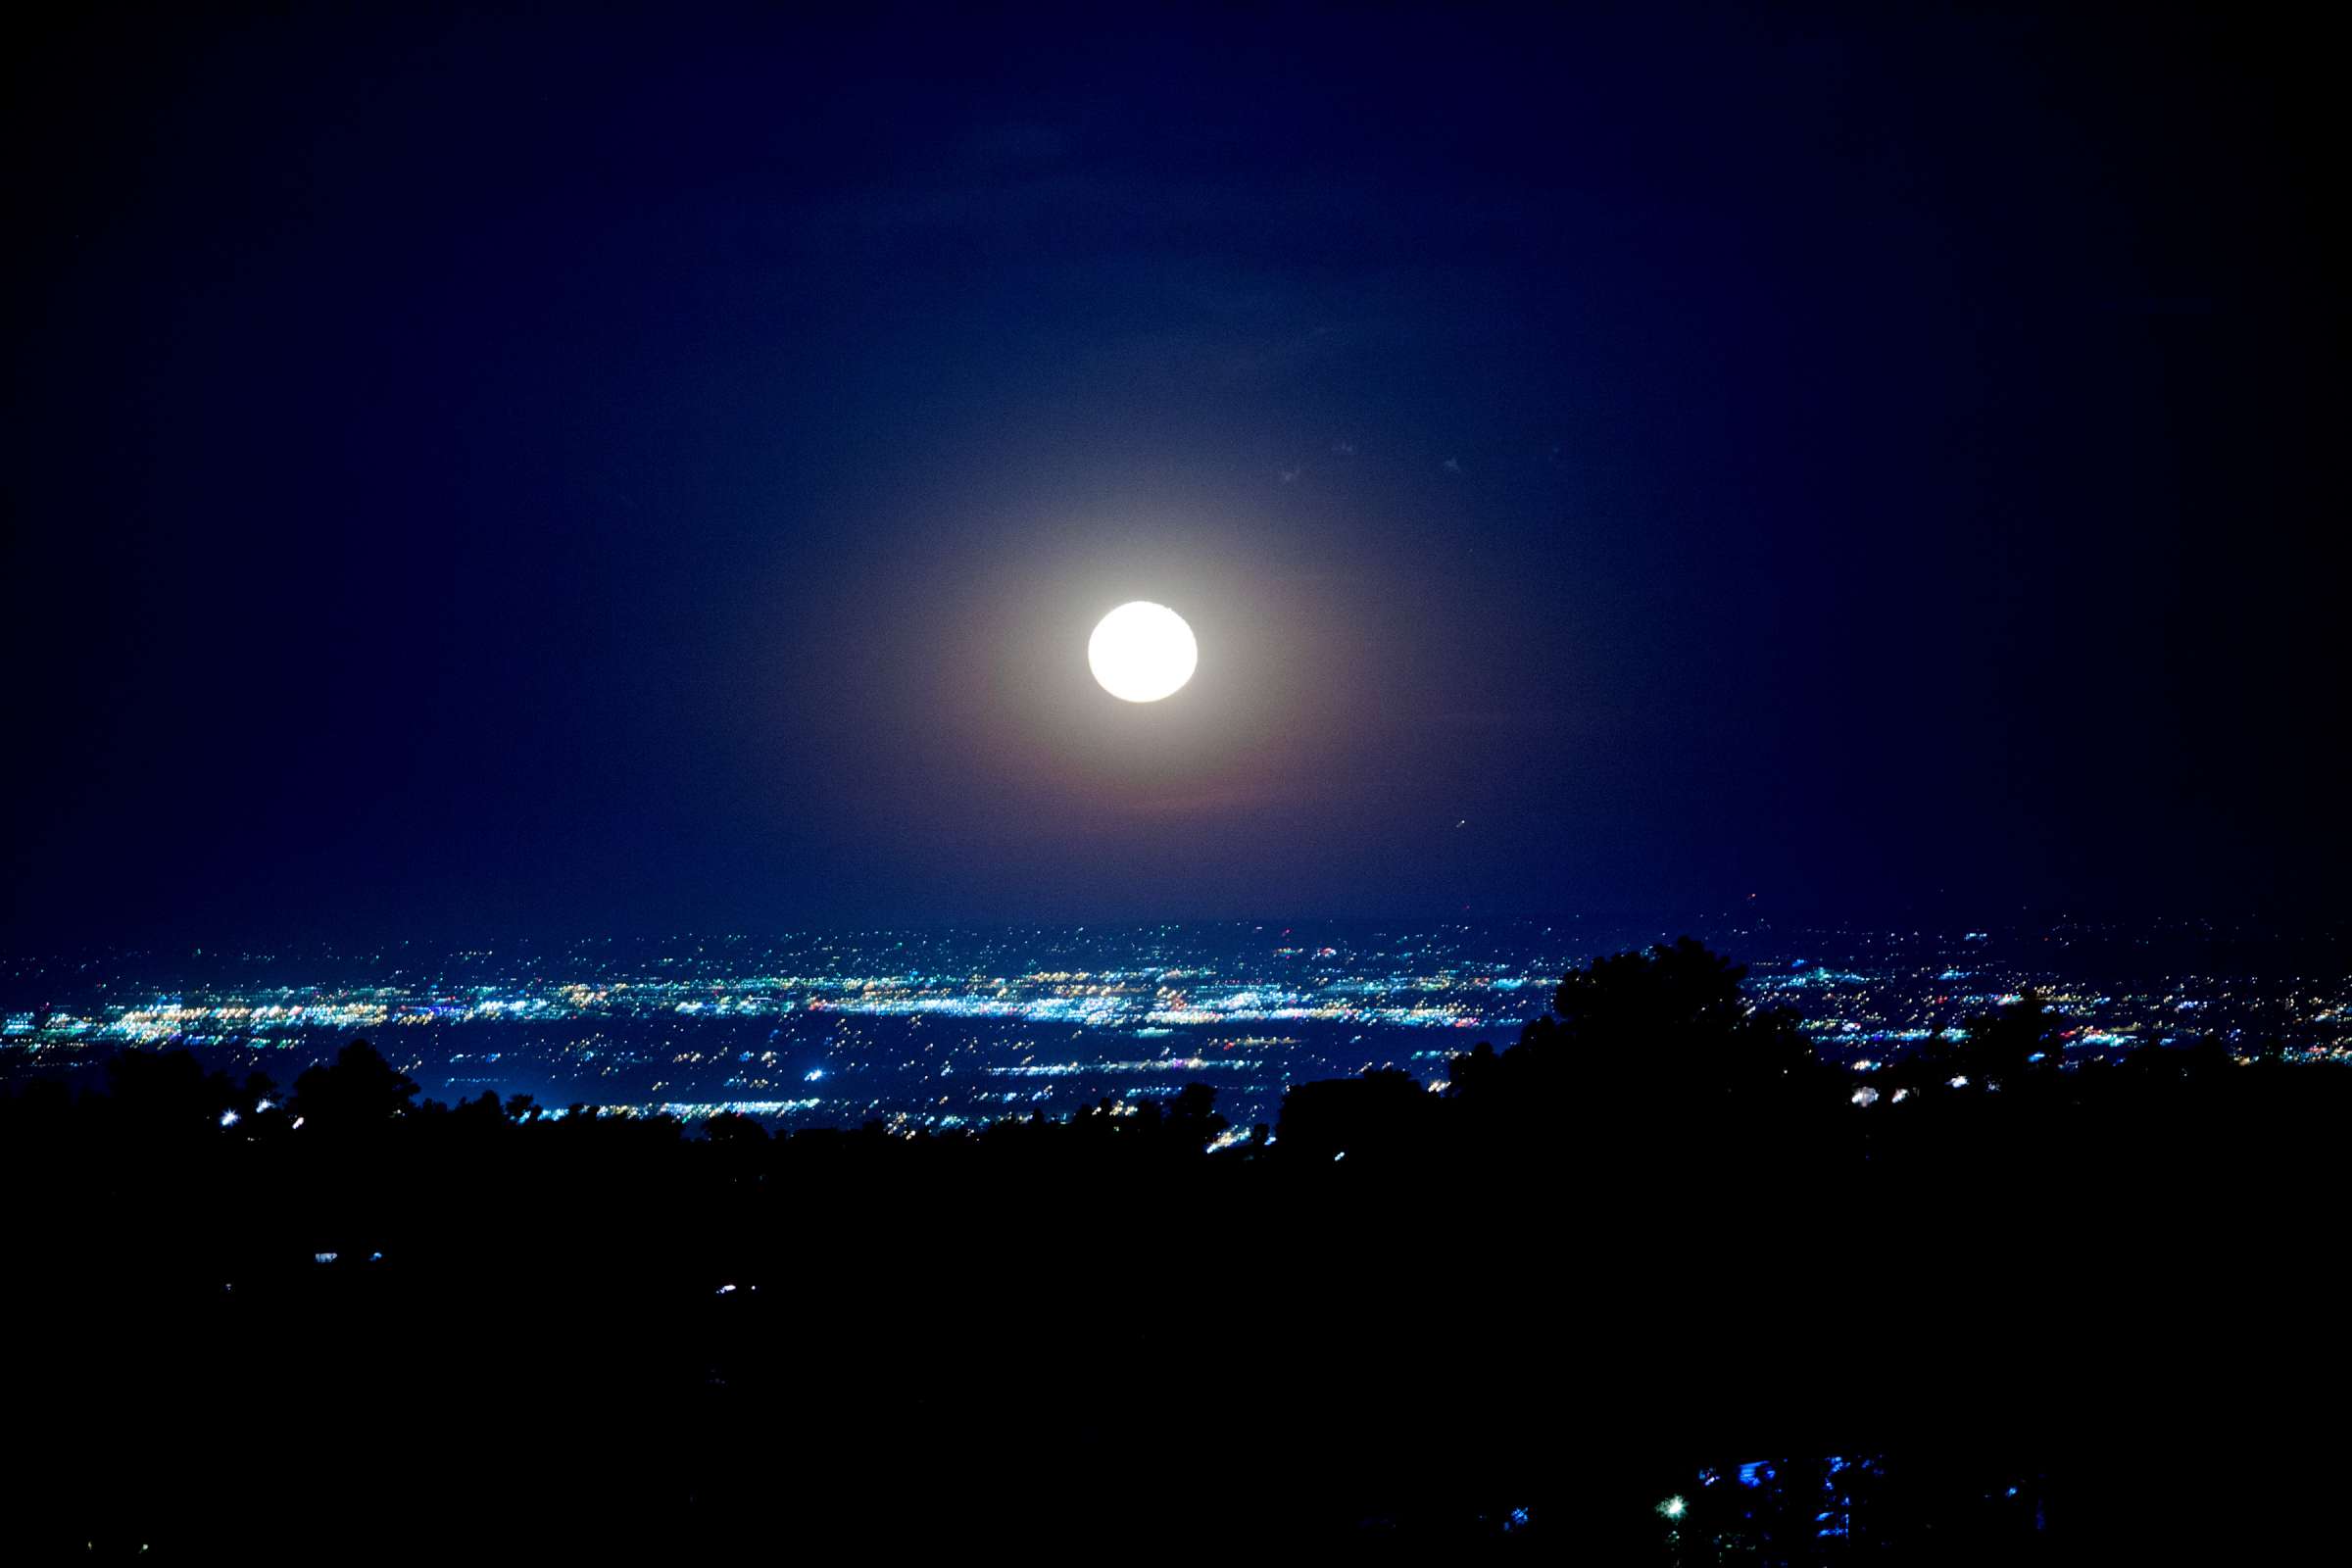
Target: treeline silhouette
point(1655, 1237)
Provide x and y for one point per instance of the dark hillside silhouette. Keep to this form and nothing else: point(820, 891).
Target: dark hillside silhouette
point(1650, 1240)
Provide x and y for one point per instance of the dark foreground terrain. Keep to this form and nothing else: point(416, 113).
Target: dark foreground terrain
point(2085, 1316)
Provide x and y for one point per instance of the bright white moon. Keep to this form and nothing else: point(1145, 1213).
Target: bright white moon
point(1141, 652)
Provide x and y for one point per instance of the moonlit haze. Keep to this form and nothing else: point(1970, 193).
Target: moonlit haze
point(1605, 458)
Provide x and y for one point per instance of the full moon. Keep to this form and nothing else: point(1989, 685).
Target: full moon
point(1141, 652)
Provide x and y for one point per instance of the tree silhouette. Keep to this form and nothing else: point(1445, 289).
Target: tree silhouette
point(167, 1093)
point(361, 1090)
point(734, 1130)
point(2001, 1046)
point(1663, 1031)
point(1191, 1118)
point(1371, 1119)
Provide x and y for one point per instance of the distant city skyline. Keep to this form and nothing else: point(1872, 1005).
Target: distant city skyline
point(941, 1030)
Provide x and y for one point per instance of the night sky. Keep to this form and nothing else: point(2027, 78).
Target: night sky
point(558, 475)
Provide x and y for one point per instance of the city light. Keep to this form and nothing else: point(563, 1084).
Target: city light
point(954, 1029)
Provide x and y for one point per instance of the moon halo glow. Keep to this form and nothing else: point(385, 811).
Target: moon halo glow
point(1142, 651)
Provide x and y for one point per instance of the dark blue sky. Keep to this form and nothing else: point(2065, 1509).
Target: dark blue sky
point(658, 471)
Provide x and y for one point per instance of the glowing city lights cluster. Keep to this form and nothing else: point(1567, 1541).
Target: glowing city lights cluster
point(942, 1029)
